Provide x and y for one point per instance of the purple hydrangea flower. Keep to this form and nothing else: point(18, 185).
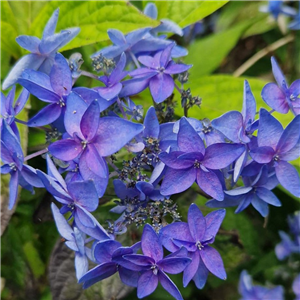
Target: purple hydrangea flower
point(153, 266)
point(281, 97)
point(249, 291)
point(42, 51)
point(195, 236)
point(192, 162)
point(156, 75)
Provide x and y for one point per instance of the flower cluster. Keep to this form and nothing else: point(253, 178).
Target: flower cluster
point(235, 160)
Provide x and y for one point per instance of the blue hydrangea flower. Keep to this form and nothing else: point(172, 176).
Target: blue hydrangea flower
point(296, 287)
point(42, 50)
point(295, 24)
point(281, 97)
point(249, 291)
point(275, 8)
point(195, 236)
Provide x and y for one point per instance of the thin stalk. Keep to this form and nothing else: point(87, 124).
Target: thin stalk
point(35, 154)
point(136, 62)
point(88, 74)
point(121, 108)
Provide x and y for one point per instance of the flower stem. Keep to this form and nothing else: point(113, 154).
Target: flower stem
point(134, 60)
point(35, 154)
point(88, 74)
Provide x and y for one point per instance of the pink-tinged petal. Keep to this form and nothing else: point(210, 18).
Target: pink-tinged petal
point(166, 55)
point(269, 130)
point(177, 68)
point(249, 104)
point(76, 107)
point(151, 245)
point(30, 61)
point(213, 261)
point(161, 87)
point(201, 274)
point(151, 124)
point(38, 84)
point(45, 116)
point(147, 284)
point(84, 193)
point(219, 156)
point(213, 223)
point(113, 133)
point(260, 205)
point(275, 98)
point(262, 155)
point(174, 265)
point(188, 138)
point(116, 36)
point(60, 76)
point(229, 124)
point(90, 121)
point(147, 61)
point(277, 72)
point(177, 181)
point(30, 43)
point(288, 177)
point(267, 196)
point(66, 150)
point(108, 93)
point(210, 184)
point(13, 189)
point(191, 269)
point(290, 136)
point(172, 161)
point(196, 222)
point(177, 230)
point(94, 161)
point(169, 285)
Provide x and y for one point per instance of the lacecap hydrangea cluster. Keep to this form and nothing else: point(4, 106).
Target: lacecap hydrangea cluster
point(236, 159)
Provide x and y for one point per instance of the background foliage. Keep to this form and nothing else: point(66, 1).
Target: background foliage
point(35, 262)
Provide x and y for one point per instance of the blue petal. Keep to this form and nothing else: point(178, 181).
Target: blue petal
point(150, 10)
point(51, 24)
point(116, 36)
point(30, 43)
point(169, 285)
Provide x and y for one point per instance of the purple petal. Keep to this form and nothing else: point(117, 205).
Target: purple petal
point(52, 171)
point(151, 245)
point(13, 189)
point(213, 261)
point(262, 155)
point(84, 193)
point(62, 225)
point(147, 284)
point(161, 87)
point(288, 177)
point(65, 150)
point(210, 184)
point(170, 184)
point(129, 277)
point(136, 35)
point(261, 206)
point(90, 121)
point(30, 176)
point(174, 265)
point(60, 76)
point(249, 104)
point(46, 115)
point(116, 36)
point(84, 217)
point(117, 74)
point(269, 130)
point(151, 124)
point(177, 68)
point(229, 124)
point(147, 61)
point(21, 101)
point(290, 136)
point(291, 154)
point(81, 265)
point(177, 230)
point(103, 250)
point(73, 114)
point(277, 72)
point(196, 222)
point(201, 275)
point(30, 61)
point(166, 55)
point(113, 133)
point(30, 43)
point(172, 160)
point(108, 93)
point(275, 98)
point(267, 196)
point(188, 138)
point(169, 285)
point(213, 222)
point(150, 10)
point(5, 169)
point(38, 84)
point(219, 156)
point(53, 42)
point(140, 260)
point(239, 165)
point(51, 24)
point(191, 269)
point(134, 86)
point(142, 73)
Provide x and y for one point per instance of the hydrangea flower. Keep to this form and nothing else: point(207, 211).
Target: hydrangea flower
point(281, 97)
point(295, 24)
point(42, 50)
point(195, 236)
point(275, 8)
point(296, 287)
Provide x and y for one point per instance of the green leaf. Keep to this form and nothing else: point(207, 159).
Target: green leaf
point(208, 53)
point(33, 259)
point(222, 93)
point(185, 13)
point(94, 19)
